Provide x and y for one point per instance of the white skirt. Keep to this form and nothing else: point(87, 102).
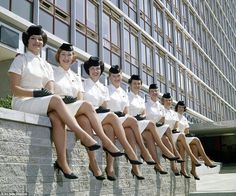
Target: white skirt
point(176, 135)
point(34, 105)
point(189, 139)
point(143, 125)
point(162, 129)
point(74, 107)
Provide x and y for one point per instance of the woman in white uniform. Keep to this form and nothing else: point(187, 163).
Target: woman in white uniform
point(32, 85)
point(155, 113)
point(69, 86)
point(98, 95)
point(171, 118)
point(119, 103)
point(148, 128)
point(194, 142)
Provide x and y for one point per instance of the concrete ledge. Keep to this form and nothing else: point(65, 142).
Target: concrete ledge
point(27, 156)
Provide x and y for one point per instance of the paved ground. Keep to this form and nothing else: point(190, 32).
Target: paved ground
point(224, 181)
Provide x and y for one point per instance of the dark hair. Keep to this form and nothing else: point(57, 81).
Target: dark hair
point(93, 61)
point(34, 30)
point(180, 103)
point(134, 77)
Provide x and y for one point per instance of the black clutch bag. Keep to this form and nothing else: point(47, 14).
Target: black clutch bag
point(119, 114)
point(138, 117)
point(189, 135)
point(175, 131)
point(102, 110)
point(159, 124)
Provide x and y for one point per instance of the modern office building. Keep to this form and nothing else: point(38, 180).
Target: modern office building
point(187, 47)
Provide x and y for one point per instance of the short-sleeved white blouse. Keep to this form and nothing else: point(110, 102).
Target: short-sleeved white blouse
point(70, 84)
point(35, 74)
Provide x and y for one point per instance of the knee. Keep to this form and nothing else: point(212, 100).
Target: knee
point(146, 135)
point(82, 119)
point(56, 100)
point(113, 116)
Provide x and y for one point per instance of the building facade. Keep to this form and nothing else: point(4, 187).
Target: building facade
point(187, 47)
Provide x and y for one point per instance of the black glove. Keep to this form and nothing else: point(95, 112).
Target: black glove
point(189, 135)
point(69, 99)
point(175, 131)
point(41, 93)
point(158, 124)
point(102, 110)
point(119, 114)
point(139, 117)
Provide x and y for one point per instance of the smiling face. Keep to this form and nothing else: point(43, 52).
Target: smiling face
point(153, 93)
point(115, 79)
point(95, 72)
point(167, 102)
point(135, 86)
point(181, 109)
point(66, 59)
point(35, 44)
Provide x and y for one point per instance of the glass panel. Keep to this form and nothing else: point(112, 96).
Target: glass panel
point(127, 42)
point(46, 20)
point(9, 37)
point(115, 59)
point(64, 5)
point(106, 56)
point(80, 40)
point(92, 16)
point(106, 28)
point(115, 32)
point(5, 4)
point(134, 46)
point(80, 10)
point(62, 30)
point(26, 12)
point(92, 47)
point(50, 56)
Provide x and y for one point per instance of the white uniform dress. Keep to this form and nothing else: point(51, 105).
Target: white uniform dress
point(118, 100)
point(35, 74)
point(154, 112)
point(183, 124)
point(96, 93)
point(137, 106)
point(171, 117)
point(70, 84)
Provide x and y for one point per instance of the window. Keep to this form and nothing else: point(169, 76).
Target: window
point(187, 52)
point(87, 26)
point(195, 60)
point(177, 13)
point(179, 50)
point(130, 8)
point(196, 95)
point(180, 83)
point(9, 37)
point(191, 24)
point(145, 15)
point(198, 32)
point(169, 35)
point(185, 16)
point(54, 16)
point(189, 91)
point(50, 56)
point(147, 61)
point(115, 2)
point(111, 37)
point(160, 70)
point(158, 24)
point(171, 69)
point(131, 50)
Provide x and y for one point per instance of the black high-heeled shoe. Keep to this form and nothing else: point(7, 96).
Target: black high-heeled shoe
point(195, 177)
point(211, 166)
point(138, 177)
point(185, 175)
point(101, 177)
point(91, 148)
point(69, 176)
point(134, 162)
point(148, 162)
point(160, 171)
point(113, 154)
point(111, 178)
point(170, 158)
point(180, 161)
point(197, 164)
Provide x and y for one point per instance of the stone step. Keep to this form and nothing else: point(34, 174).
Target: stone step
point(223, 193)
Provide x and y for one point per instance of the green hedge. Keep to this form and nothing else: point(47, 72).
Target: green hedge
point(6, 102)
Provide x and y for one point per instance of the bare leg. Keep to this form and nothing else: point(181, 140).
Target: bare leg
point(59, 136)
point(56, 104)
point(201, 151)
point(131, 138)
point(193, 170)
point(150, 143)
point(88, 110)
point(84, 122)
point(112, 120)
point(109, 159)
point(152, 129)
point(131, 124)
point(182, 139)
point(182, 154)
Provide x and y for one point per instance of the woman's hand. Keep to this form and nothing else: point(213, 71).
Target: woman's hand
point(41, 93)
